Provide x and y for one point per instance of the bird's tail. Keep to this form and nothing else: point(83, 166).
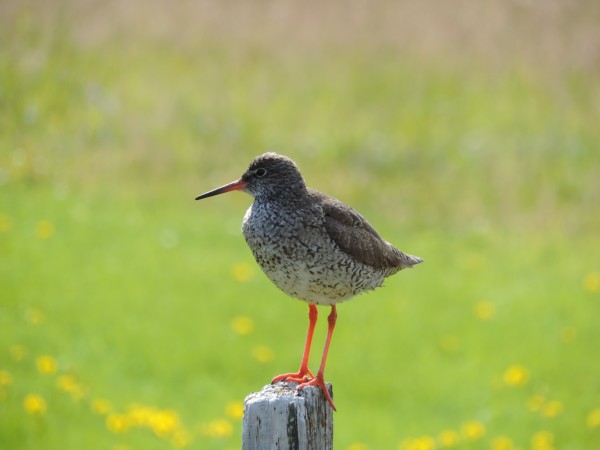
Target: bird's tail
point(409, 260)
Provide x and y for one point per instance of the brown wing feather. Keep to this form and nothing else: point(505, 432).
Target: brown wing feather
point(355, 236)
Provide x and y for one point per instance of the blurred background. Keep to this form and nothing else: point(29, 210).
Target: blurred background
point(467, 132)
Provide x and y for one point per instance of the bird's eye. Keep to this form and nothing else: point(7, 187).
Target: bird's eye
point(260, 172)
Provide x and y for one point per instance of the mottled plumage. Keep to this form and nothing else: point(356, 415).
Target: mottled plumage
point(311, 246)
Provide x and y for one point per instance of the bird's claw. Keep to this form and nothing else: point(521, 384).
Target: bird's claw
point(320, 382)
point(298, 377)
point(304, 379)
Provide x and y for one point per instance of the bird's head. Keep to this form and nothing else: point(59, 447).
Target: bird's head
point(268, 176)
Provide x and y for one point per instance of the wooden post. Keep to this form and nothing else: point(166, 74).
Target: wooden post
point(282, 418)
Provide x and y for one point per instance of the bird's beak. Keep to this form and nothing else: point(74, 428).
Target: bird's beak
point(236, 185)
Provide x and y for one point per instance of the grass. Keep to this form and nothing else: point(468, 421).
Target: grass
point(139, 318)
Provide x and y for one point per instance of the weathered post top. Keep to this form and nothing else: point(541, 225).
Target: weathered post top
point(280, 417)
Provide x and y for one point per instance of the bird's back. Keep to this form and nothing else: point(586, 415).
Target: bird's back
point(356, 237)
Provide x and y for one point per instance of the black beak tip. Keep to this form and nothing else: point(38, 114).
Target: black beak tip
point(233, 186)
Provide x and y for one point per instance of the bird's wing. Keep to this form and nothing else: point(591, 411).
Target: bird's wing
point(356, 237)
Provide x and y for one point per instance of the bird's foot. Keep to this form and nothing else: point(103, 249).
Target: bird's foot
point(320, 382)
point(301, 376)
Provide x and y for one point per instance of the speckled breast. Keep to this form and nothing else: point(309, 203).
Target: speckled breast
point(294, 250)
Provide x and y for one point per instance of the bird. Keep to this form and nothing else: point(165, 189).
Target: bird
point(313, 247)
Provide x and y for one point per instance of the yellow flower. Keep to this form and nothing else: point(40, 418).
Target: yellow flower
point(46, 364)
point(164, 422)
point(242, 272)
point(473, 430)
point(242, 325)
point(69, 384)
point(552, 409)
point(591, 282)
point(485, 310)
point(593, 418)
point(18, 352)
point(516, 375)
point(535, 402)
point(449, 438)
point(44, 229)
point(235, 410)
point(542, 440)
point(449, 343)
point(219, 428)
point(34, 316)
point(5, 378)
point(140, 415)
point(181, 438)
point(117, 423)
point(502, 443)
point(262, 353)
point(66, 383)
point(357, 446)
point(101, 406)
point(34, 404)
point(5, 223)
point(418, 443)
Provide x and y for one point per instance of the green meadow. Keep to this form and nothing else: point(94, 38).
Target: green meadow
point(133, 317)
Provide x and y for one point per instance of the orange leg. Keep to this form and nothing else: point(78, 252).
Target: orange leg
point(304, 372)
point(319, 380)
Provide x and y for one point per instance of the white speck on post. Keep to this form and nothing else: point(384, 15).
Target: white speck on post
point(282, 418)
